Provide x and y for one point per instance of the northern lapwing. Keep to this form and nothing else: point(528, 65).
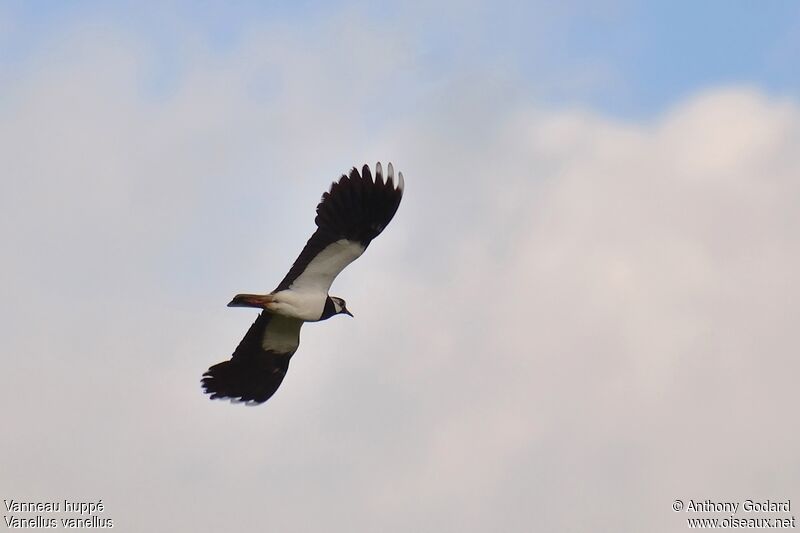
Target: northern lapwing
point(355, 210)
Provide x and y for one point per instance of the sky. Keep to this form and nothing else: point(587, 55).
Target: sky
point(585, 309)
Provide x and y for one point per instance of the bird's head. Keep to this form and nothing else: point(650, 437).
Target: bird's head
point(339, 306)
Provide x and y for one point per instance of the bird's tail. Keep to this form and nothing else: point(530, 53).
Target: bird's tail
point(259, 301)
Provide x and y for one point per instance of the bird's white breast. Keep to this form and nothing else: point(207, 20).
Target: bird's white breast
point(305, 305)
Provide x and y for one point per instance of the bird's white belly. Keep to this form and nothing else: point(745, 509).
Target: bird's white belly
point(304, 305)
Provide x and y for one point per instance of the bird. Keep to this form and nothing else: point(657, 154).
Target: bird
point(355, 210)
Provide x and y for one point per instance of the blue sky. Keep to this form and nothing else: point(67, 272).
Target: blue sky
point(625, 58)
point(592, 275)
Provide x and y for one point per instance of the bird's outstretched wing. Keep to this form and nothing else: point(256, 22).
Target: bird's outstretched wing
point(355, 211)
point(259, 363)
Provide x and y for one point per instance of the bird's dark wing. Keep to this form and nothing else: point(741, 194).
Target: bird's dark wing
point(355, 211)
point(259, 363)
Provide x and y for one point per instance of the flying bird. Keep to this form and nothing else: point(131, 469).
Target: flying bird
point(355, 210)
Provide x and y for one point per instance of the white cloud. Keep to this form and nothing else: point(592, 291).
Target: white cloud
point(631, 333)
point(573, 320)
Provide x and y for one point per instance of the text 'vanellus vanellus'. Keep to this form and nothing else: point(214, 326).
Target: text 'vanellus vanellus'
point(355, 211)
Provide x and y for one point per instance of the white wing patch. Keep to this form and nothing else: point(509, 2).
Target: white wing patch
point(282, 334)
point(321, 271)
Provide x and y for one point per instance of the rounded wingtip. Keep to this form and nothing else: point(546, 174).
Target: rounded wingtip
point(366, 173)
point(398, 182)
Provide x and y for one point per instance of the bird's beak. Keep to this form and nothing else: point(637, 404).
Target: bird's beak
point(345, 311)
